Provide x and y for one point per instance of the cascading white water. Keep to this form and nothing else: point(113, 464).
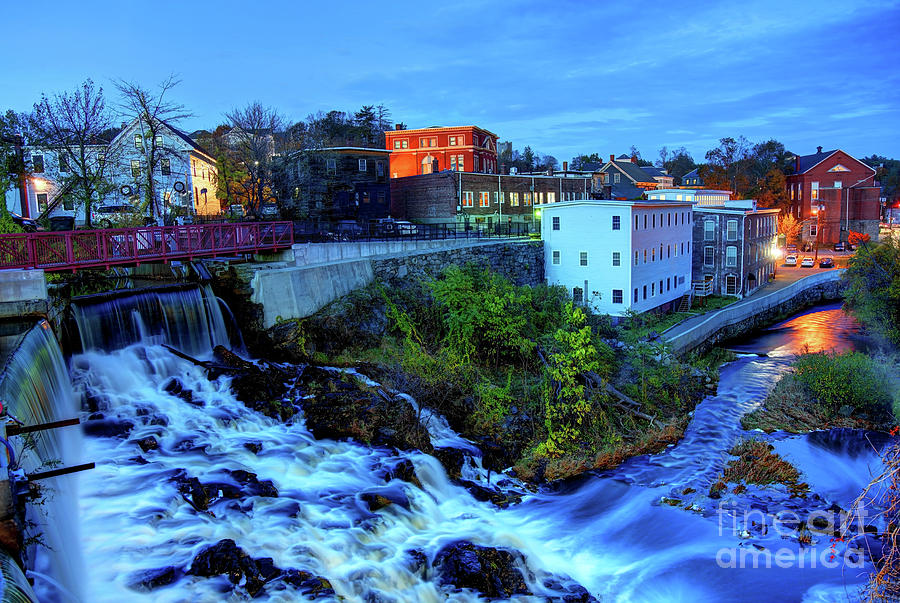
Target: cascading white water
point(35, 390)
point(609, 533)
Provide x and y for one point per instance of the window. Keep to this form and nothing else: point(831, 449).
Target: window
point(362, 165)
point(365, 197)
point(709, 255)
point(617, 223)
point(165, 167)
point(551, 197)
point(42, 202)
point(577, 295)
point(635, 222)
point(135, 168)
point(539, 198)
point(514, 199)
point(379, 169)
point(636, 257)
point(582, 258)
point(452, 141)
point(401, 143)
point(63, 162)
point(645, 256)
point(468, 199)
point(37, 164)
point(555, 222)
point(669, 217)
point(709, 230)
point(484, 199)
point(527, 199)
point(139, 142)
point(815, 191)
point(793, 191)
point(556, 257)
point(645, 221)
point(668, 251)
point(101, 159)
point(731, 230)
point(617, 258)
point(731, 285)
point(652, 289)
point(617, 296)
point(158, 141)
point(838, 184)
point(645, 291)
point(428, 165)
point(616, 177)
point(635, 295)
point(331, 166)
point(381, 198)
point(668, 283)
point(653, 222)
point(660, 286)
point(68, 203)
point(813, 230)
point(731, 256)
point(653, 254)
point(427, 142)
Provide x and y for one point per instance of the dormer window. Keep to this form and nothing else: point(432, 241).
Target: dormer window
point(839, 168)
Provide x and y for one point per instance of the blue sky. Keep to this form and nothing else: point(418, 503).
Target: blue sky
point(566, 77)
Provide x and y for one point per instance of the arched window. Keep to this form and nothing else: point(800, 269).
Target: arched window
point(428, 164)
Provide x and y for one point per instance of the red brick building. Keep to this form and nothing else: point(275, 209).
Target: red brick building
point(430, 150)
point(844, 186)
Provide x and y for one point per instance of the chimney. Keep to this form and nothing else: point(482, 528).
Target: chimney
point(634, 159)
point(565, 166)
point(400, 126)
point(612, 158)
point(818, 149)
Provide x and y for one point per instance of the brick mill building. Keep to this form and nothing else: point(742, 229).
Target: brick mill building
point(841, 184)
point(431, 150)
point(488, 199)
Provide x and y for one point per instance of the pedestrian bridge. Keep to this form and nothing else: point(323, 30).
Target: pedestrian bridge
point(78, 249)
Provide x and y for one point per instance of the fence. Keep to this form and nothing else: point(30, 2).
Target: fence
point(70, 250)
point(311, 232)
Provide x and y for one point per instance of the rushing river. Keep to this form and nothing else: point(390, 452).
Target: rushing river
point(609, 532)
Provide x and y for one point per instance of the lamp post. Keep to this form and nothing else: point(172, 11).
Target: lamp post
point(818, 211)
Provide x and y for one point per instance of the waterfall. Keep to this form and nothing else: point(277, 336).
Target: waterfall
point(188, 318)
point(35, 389)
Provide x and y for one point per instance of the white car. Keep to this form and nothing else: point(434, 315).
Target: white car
point(790, 260)
point(807, 262)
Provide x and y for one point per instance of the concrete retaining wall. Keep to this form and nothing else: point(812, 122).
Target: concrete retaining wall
point(758, 312)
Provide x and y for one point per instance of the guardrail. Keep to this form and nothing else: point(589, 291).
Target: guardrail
point(71, 250)
point(715, 321)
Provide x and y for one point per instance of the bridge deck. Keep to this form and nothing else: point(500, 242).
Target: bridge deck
point(71, 250)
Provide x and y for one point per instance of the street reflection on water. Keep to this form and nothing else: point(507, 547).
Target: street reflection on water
point(822, 328)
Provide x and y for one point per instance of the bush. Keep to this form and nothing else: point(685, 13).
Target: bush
point(849, 379)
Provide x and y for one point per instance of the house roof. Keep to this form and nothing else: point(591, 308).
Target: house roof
point(625, 190)
point(631, 170)
point(694, 173)
point(187, 139)
point(805, 162)
point(656, 172)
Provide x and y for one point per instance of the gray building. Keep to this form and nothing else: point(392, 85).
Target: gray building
point(734, 247)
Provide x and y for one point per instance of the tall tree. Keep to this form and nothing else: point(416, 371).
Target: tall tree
point(580, 162)
point(253, 136)
point(726, 163)
point(679, 163)
point(153, 110)
point(72, 126)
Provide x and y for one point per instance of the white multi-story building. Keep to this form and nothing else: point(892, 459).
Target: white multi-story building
point(617, 256)
point(699, 196)
point(185, 175)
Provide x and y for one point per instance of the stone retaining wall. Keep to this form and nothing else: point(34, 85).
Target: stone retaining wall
point(759, 312)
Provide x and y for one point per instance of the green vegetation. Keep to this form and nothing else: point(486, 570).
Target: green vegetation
point(873, 276)
point(7, 225)
point(756, 463)
point(831, 390)
point(521, 370)
point(640, 326)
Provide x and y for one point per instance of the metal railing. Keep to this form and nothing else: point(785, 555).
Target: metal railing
point(71, 250)
point(310, 232)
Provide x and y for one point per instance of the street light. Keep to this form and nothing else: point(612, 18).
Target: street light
point(776, 255)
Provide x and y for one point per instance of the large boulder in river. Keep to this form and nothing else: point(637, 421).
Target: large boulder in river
point(337, 407)
point(490, 571)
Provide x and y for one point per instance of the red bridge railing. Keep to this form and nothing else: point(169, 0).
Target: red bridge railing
point(70, 250)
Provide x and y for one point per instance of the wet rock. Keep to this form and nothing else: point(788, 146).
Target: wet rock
point(139, 460)
point(383, 497)
point(494, 496)
point(846, 411)
point(225, 558)
point(569, 593)
point(871, 546)
point(152, 579)
point(176, 387)
point(187, 445)
point(405, 471)
point(260, 387)
point(195, 492)
point(266, 568)
point(108, 428)
point(254, 447)
point(339, 408)
point(416, 560)
point(452, 459)
point(308, 584)
point(252, 486)
point(149, 443)
point(93, 402)
point(490, 571)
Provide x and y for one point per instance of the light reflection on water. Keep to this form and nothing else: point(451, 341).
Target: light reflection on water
point(822, 328)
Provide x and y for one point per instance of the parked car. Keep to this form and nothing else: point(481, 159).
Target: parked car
point(106, 215)
point(404, 228)
point(790, 260)
point(826, 263)
point(268, 210)
point(840, 246)
point(807, 262)
point(792, 248)
point(27, 224)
